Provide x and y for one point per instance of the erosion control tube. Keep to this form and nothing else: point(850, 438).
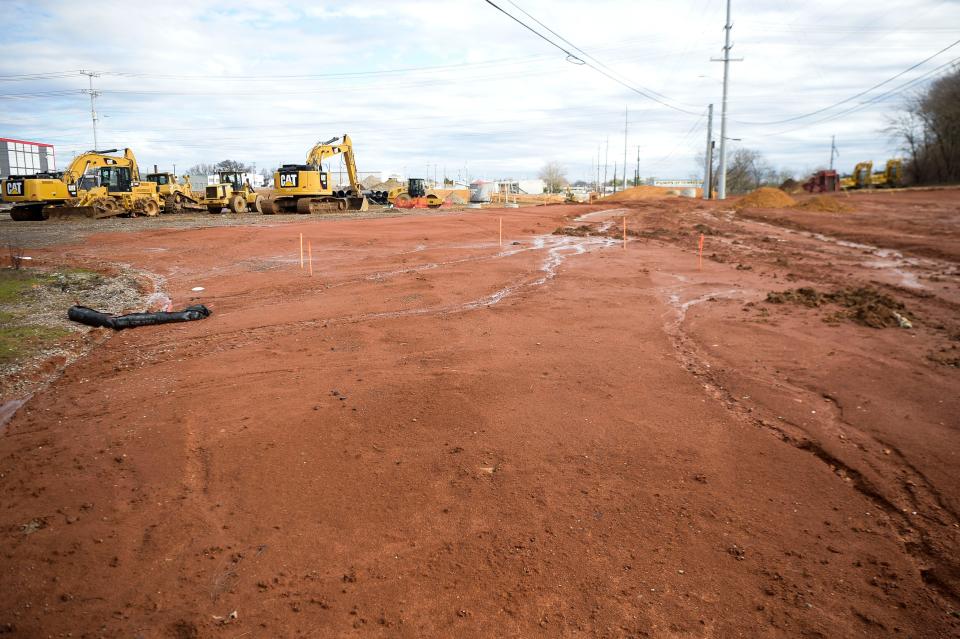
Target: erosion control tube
point(91, 317)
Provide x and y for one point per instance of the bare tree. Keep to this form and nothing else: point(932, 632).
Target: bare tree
point(554, 176)
point(748, 170)
point(929, 131)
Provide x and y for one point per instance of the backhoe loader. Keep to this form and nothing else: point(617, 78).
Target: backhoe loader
point(307, 188)
point(95, 185)
point(175, 196)
point(233, 193)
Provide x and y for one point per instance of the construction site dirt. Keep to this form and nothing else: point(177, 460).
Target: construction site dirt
point(561, 434)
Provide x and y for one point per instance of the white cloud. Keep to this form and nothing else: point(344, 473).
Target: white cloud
point(209, 80)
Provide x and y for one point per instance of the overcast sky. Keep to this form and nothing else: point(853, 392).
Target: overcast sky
point(457, 84)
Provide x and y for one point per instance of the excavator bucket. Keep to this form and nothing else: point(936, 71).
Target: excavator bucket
point(358, 203)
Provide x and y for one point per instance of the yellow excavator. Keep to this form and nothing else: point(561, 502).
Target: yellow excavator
point(863, 176)
point(307, 188)
point(95, 185)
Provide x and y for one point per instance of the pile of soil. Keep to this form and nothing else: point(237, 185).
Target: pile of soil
point(824, 203)
point(386, 186)
point(864, 305)
point(641, 193)
point(462, 194)
point(765, 198)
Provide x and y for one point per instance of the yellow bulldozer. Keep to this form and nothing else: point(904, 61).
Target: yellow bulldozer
point(95, 185)
point(863, 176)
point(175, 196)
point(308, 188)
point(233, 193)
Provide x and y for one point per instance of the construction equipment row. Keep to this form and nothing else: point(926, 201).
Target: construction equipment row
point(99, 185)
point(863, 177)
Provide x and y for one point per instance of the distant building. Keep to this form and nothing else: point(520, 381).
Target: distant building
point(20, 157)
point(688, 182)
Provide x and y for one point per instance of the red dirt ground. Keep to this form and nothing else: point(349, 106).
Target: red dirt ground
point(437, 436)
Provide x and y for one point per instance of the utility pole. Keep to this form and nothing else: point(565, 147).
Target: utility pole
point(626, 111)
point(636, 177)
point(708, 162)
point(93, 96)
point(722, 187)
point(833, 150)
point(614, 176)
point(606, 163)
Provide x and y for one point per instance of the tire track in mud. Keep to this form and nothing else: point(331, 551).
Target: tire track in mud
point(929, 558)
point(557, 247)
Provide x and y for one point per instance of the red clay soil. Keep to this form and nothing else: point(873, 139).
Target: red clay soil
point(437, 436)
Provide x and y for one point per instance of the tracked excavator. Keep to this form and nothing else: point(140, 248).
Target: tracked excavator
point(863, 176)
point(307, 188)
point(95, 185)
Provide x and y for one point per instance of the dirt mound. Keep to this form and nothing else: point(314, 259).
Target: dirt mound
point(865, 306)
point(765, 198)
point(640, 193)
point(386, 186)
point(824, 203)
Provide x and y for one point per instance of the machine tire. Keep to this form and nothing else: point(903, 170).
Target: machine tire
point(257, 205)
point(237, 204)
point(151, 208)
point(267, 207)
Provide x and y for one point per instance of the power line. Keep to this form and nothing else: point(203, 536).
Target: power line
point(852, 97)
point(580, 61)
point(878, 98)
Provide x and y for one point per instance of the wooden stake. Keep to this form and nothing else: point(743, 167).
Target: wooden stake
point(624, 231)
point(310, 256)
point(501, 232)
point(301, 250)
point(700, 263)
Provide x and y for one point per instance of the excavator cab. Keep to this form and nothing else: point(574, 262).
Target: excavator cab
point(117, 179)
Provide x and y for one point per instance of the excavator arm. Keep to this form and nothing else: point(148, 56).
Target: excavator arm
point(94, 159)
point(324, 150)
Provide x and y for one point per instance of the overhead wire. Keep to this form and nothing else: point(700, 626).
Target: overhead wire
point(852, 97)
point(571, 57)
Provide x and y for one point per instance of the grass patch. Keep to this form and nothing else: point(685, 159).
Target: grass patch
point(21, 341)
point(14, 283)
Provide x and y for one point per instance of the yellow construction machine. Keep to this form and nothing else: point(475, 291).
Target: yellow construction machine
point(233, 193)
point(175, 196)
point(414, 194)
point(863, 176)
point(307, 188)
point(95, 185)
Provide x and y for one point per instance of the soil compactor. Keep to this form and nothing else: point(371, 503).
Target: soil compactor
point(95, 185)
point(233, 193)
point(307, 188)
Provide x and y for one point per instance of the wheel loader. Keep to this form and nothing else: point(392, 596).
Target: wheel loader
point(175, 197)
point(95, 185)
point(233, 193)
point(307, 188)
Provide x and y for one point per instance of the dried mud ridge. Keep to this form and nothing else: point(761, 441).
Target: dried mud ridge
point(938, 566)
point(865, 306)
